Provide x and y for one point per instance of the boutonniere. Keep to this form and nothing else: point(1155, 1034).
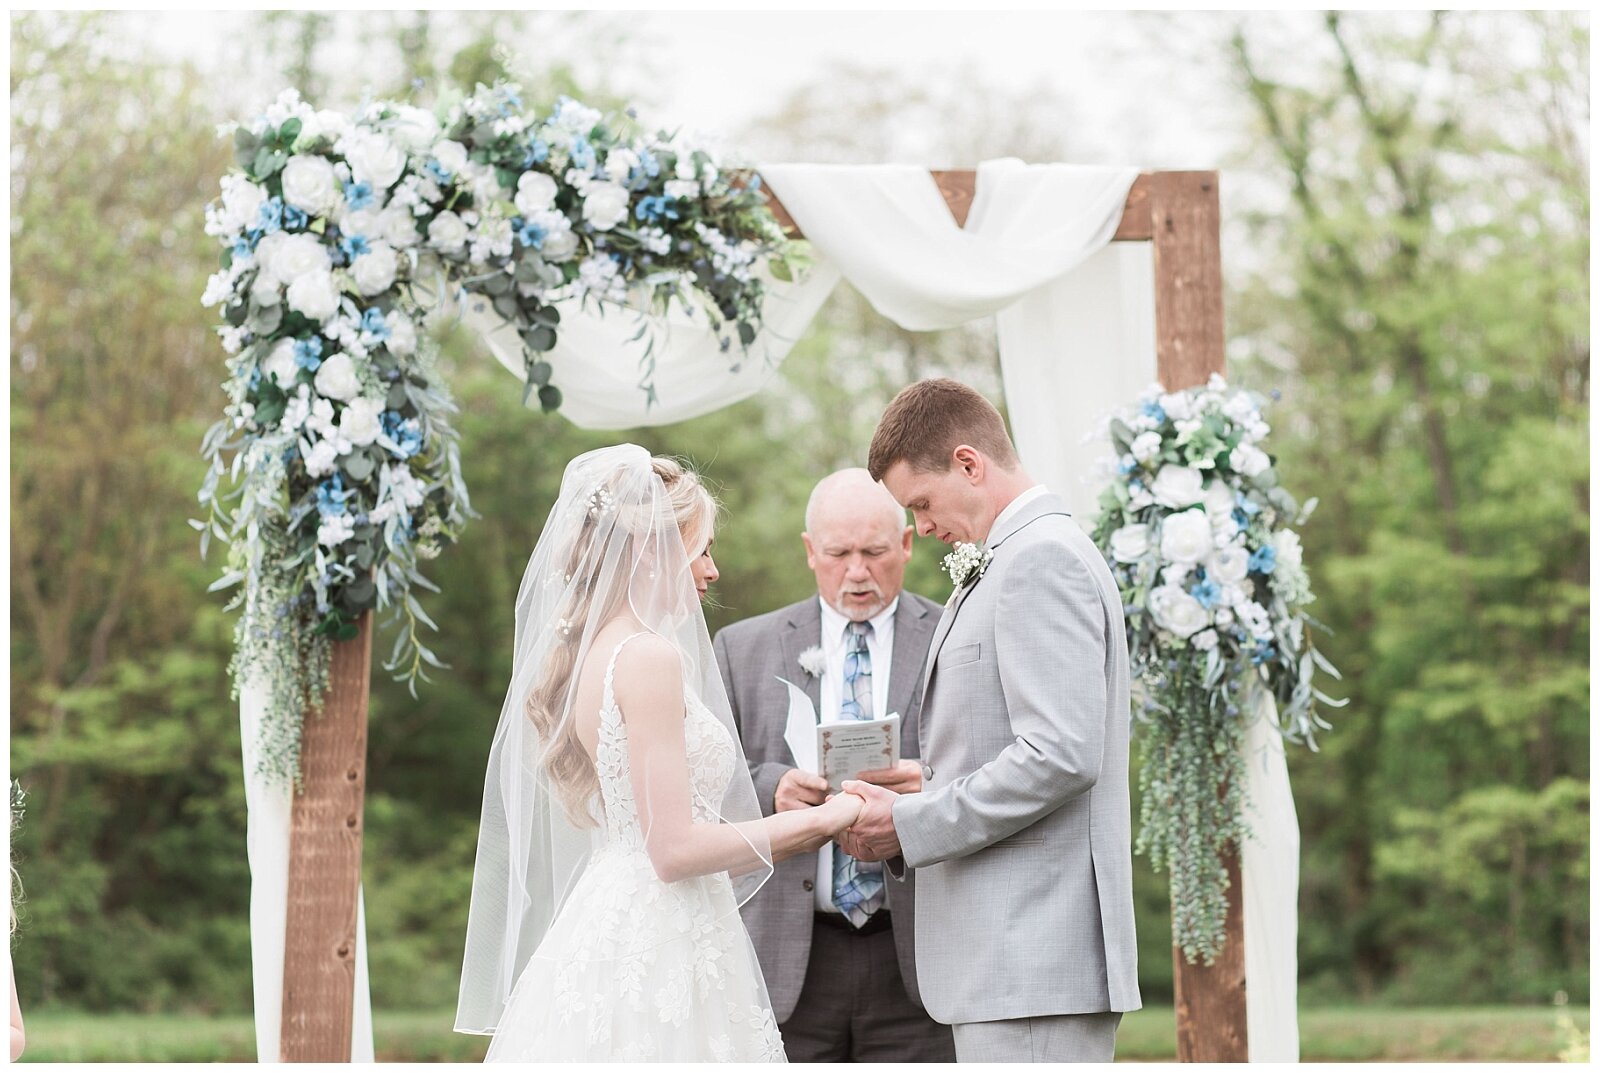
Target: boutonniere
point(966, 565)
point(813, 662)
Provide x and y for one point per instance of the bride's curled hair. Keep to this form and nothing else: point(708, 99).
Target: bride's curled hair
point(597, 591)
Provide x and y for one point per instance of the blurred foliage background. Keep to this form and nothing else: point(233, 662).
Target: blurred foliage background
point(1407, 258)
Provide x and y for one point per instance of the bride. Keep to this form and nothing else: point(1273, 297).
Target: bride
point(621, 831)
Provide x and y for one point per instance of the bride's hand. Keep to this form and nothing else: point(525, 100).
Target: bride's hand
point(841, 811)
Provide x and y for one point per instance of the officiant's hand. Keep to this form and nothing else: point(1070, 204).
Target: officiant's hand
point(904, 778)
point(799, 789)
point(872, 837)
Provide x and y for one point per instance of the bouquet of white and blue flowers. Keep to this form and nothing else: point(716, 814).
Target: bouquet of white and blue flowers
point(1200, 538)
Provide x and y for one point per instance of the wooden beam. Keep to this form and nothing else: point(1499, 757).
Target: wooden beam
point(1186, 221)
point(1210, 999)
point(959, 187)
point(319, 951)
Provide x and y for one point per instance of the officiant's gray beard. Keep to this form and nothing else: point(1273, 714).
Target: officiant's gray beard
point(859, 614)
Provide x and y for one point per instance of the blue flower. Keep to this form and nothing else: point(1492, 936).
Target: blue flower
point(358, 195)
point(654, 208)
point(406, 433)
point(538, 153)
point(374, 329)
point(1153, 411)
point(582, 153)
point(331, 496)
point(294, 219)
point(1127, 466)
point(308, 352)
point(1207, 593)
point(528, 233)
point(439, 173)
point(1250, 507)
point(269, 217)
point(244, 247)
point(648, 161)
point(355, 245)
point(1264, 652)
point(1263, 559)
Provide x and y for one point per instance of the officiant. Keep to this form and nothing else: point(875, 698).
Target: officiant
point(834, 939)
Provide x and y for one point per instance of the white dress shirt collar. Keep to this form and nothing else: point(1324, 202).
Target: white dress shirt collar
point(1014, 507)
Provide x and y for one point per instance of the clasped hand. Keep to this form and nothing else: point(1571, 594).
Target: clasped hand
point(867, 831)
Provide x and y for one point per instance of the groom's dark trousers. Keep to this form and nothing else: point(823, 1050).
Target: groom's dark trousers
point(840, 994)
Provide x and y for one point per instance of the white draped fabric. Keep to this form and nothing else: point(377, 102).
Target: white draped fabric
point(1075, 321)
point(270, 808)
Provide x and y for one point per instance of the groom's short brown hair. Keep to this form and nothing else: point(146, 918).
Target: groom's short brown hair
point(929, 420)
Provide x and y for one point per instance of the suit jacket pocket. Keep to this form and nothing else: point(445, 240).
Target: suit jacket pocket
point(955, 657)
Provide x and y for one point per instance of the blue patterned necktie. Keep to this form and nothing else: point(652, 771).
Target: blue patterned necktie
point(857, 885)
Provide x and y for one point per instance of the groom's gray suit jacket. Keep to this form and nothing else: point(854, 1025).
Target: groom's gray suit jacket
point(1020, 837)
point(753, 655)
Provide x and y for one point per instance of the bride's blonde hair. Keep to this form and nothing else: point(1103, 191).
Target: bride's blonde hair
point(570, 767)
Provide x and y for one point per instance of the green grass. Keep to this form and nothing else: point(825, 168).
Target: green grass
point(1344, 1034)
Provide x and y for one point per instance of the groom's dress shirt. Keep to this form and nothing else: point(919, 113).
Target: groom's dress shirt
point(880, 647)
point(1014, 508)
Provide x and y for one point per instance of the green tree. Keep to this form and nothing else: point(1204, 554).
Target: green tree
point(1423, 299)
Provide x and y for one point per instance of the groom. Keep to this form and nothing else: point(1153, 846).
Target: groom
point(1020, 836)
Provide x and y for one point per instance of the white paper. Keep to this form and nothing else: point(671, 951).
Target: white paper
point(851, 746)
point(800, 729)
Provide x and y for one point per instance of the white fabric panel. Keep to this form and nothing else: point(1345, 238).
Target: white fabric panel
point(1269, 865)
point(596, 362)
point(269, 809)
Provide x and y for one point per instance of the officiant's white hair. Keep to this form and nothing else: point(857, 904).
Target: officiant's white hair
point(852, 480)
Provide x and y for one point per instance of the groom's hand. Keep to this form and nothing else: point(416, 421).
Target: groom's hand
point(873, 837)
point(799, 789)
point(904, 778)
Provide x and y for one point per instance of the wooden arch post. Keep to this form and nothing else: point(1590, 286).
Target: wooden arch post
point(1177, 211)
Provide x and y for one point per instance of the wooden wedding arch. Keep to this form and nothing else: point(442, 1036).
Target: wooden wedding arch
point(1178, 212)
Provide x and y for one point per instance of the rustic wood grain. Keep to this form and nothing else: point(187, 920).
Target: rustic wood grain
point(1210, 999)
point(1186, 222)
point(319, 954)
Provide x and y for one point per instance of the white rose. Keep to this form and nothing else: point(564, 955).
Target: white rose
point(309, 184)
point(397, 227)
point(402, 341)
point(1130, 543)
point(1177, 406)
point(1224, 617)
point(451, 155)
point(374, 159)
point(288, 257)
point(605, 205)
point(685, 168)
point(1254, 617)
point(559, 245)
point(1176, 611)
point(1145, 446)
point(684, 188)
point(241, 202)
point(414, 128)
point(315, 295)
point(374, 271)
point(1248, 460)
point(1234, 596)
point(1218, 500)
point(1205, 640)
point(266, 290)
point(447, 232)
point(336, 378)
point(1229, 566)
point(361, 222)
point(280, 364)
point(619, 162)
point(536, 192)
point(322, 458)
point(1286, 543)
point(1178, 486)
point(1186, 537)
point(359, 423)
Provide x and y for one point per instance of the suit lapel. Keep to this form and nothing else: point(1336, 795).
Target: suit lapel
point(912, 625)
point(803, 631)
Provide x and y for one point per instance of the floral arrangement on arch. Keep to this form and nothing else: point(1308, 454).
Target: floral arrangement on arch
point(340, 234)
point(1199, 535)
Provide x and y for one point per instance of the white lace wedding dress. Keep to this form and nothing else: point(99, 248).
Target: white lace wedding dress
point(634, 968)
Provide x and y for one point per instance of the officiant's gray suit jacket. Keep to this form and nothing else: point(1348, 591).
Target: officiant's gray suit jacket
point(1020, 837)
point(753, 655)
